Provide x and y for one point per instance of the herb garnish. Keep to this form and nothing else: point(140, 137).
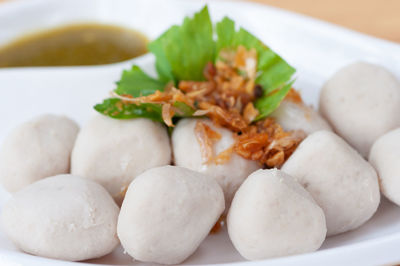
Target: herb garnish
point(182, 53)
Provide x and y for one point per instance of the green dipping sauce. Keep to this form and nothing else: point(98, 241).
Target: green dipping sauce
point(74, 45)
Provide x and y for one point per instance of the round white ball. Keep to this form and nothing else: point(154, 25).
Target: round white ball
point(62, 217)
point(294, 116)
point(113, 152)
point(167, 212)
point(186, 149)
point(385, 157)
point(37, 149)
point(362, 102)
point(272, 215)
point(339, 179)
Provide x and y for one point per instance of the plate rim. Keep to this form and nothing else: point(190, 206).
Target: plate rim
point(379, 245)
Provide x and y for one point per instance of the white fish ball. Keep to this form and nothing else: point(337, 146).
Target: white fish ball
point(361, 102)
point(113, 152)
point(339, 179)
point(385, 157)
point(187, 153)
point(272, 215)
point(37, 149)
point(295, 116)
point(62, 217)
point(167, 212)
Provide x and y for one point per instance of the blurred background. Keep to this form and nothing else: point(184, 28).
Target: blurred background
point(380, 18)
point(94, 44)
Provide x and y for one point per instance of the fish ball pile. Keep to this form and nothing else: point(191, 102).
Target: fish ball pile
point(67, 185)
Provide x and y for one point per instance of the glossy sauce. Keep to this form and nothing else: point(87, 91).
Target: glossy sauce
point(74, 45)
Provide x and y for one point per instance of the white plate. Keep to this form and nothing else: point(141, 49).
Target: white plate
point(315, 48)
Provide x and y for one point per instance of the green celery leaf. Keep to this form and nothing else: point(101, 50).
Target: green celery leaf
point(137, 83)
point(226, 35)
point(163, 66)
point(268, 103)
point(184, 110)
point(274, 73)
point(273, 69)
point(183, 51)
point(115, 108)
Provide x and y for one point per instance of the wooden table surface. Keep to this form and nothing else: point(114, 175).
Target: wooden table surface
point(380, 18)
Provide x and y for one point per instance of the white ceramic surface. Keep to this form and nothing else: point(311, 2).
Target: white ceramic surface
point(315, 48)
